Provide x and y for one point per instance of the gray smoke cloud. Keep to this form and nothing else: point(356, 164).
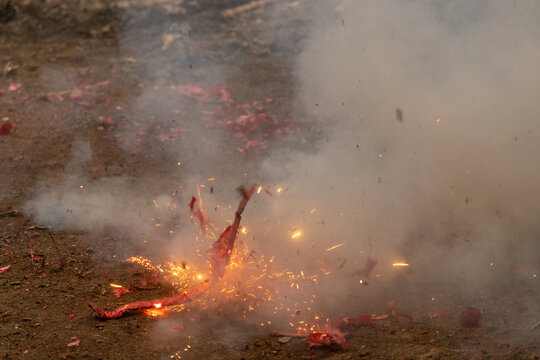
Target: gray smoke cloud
point(431, 157)
point(432, 119)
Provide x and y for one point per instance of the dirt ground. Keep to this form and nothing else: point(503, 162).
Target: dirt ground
point(111, 52)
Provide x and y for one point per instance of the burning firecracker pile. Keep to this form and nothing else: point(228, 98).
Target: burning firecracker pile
point(239, 280)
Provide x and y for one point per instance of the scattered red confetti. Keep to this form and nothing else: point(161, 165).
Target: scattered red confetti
point(76, 94)
point(436, 315)
point(406, 316)
point(318, 339)
point(120, 291)
point(56, 95)
point(99, 84)
point(364, 319)
point(149, 282)
point(4, 269)
point(470, 316)
point(179, 328)
point(74, 343)
point(251, 144)
point(6, 128)
point(15, 86)
point(326, 338)
point(72, 315)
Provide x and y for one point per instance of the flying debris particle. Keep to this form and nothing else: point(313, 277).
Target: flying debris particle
point(335, 246)
point(368, 267)
point(400, 264)
point(399, 115)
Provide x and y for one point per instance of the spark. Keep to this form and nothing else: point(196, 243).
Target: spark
point(335, 246)
point(211, 179)
point(157, 306)
point(259, 189)
point(400, 264)
point(116, 286)
point(312, 211)
point(279, 190)
point(296, 234)
point(200, 276)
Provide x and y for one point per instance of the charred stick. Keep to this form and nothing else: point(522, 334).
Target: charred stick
point(246, 195)
point(221, 252)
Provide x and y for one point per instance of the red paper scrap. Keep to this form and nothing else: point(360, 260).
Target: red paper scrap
point(74, 343)
point(6, 128)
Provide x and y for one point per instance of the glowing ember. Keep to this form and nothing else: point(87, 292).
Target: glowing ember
point(116, 286)
point(296, 234)
point(157, 306)
point(400, 264)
